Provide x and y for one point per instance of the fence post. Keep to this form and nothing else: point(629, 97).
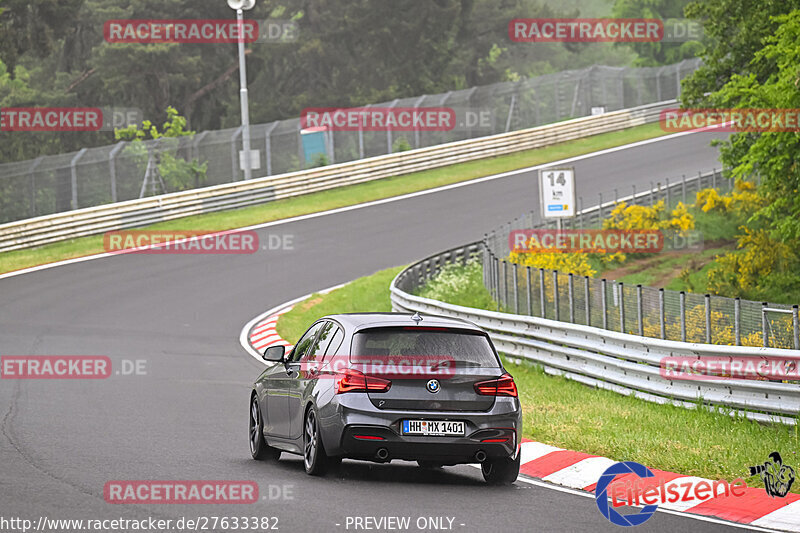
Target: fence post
point(32, 185)
point(616, 197)
point(505, 285)
point(633, 198)
point(555, 293)
point(708, 318)
point(587, 302)
point(652, 193)
point(661, 317)
point(516, 290)
point(112, 167)
point(268, 146)
point(683, 316)
point(580, 212)
point(74, 171)
point(603, 302)
point(669, 200)
point(764, 325)
point(796, 327)
point(713, 179)
point(571, 290)
point(639, 309)
point(683, 188)
point(621, 307)
point(600, 206)
point(528, 285)
point(737, 319)
point(541, 292)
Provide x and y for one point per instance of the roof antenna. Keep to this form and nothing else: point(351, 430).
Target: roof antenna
point(416, 318)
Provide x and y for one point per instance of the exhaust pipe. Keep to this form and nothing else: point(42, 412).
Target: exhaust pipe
point(382, 454)
point(480, 456)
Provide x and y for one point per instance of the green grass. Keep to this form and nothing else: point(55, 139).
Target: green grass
point(367, 294)
point(340, 197)
point(652, 272)
point(570, 415)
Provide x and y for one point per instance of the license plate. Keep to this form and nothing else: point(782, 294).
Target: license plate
point(442, 428)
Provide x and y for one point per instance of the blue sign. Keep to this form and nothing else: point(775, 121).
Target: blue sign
point(552, 207)
point(601, 498)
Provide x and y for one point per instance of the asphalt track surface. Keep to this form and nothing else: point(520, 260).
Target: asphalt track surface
point(62, 440)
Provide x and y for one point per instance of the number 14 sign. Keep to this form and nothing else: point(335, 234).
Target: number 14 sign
point(557, 192)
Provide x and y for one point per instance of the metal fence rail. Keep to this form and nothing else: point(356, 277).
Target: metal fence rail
point(621, 362)
point(612, 305)
point(134, 213)
point(116, 173)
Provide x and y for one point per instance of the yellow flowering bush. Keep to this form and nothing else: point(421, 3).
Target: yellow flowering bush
point(736, 273)
point(563, 262)
point(742, 200)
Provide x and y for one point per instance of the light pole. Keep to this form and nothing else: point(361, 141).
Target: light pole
point(240, 6)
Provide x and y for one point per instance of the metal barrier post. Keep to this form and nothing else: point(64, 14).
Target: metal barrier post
point(112, 167)
point(639, 309)
point(541, 292)
point(504, 293)
point(796, 327)
point(708, 318)
point(571, 291)
point(683, 316)
point(587, 303)
point(669, 200)
point(661, 313)
point(621, 308)
point(604, 303)
point(528, 291)
point(555, 294)
point(683, 188)
point(764, 339)
point(516, 290)
point(74, 172)
point(737, 318)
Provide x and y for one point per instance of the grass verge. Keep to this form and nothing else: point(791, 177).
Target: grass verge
point(340, 197)
point(569, 415)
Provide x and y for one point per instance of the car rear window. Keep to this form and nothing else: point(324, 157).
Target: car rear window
point(467, 348)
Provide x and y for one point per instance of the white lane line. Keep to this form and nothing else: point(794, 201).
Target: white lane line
point(581, 474)
point(787, 517)
point(372, 203)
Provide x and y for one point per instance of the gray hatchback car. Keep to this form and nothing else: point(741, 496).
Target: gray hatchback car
point(384, 386)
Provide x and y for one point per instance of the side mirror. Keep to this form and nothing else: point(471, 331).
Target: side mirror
point(274, 354)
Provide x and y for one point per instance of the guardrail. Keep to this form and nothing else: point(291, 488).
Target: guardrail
point(134, 213)
point(623, 363)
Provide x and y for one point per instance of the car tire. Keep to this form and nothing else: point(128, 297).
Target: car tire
point(259, 449)
point(501, 471)
point(430, 464)
point(315, 460)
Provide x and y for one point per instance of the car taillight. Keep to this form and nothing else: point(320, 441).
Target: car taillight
point(355, 381)
point(502, 386)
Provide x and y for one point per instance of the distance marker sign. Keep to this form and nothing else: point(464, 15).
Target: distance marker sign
point(557, 192)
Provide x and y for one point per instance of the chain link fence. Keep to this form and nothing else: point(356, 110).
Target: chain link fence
point(634, 309)
point(119, 172)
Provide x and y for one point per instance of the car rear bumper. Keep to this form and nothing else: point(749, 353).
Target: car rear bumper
point(365, 442)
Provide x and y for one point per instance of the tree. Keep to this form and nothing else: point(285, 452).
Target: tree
point(657, 53)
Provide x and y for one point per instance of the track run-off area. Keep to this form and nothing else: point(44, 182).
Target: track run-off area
point(176, 403)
